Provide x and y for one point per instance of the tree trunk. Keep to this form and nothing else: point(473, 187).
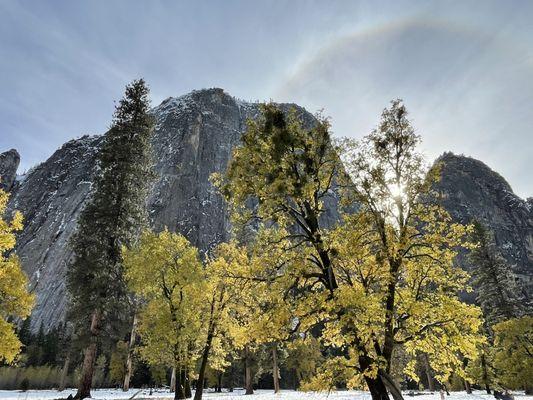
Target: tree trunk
point(429, 376)
point(219, 383)
point(465, 382)
point(186, 383)
point(129, 361)
point(248, 372)
point(297, 380)
point(173, 380)
point(86, 378)
point(179, 392)
point(446, 390)
point(377, 388)
point(64, 373)
point(485, 372)
point(203, 366)
point(467, 386)
point(275, 369)
point(85, 383)
point(376, 385)
point(391, 385)
point(230, 379)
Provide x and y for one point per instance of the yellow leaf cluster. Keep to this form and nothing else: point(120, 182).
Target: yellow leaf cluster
point(15, 301)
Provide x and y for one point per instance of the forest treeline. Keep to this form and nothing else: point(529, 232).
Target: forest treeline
point(341, 273)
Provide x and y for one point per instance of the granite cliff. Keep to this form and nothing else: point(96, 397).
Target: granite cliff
point(470, 190)
point(194, 137)
point(9, 162)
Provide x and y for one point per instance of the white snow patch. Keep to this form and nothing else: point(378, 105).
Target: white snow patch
point(112, 394)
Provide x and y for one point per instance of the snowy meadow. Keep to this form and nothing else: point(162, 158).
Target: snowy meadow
point(111, 394)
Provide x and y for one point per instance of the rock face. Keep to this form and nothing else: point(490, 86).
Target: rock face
point(9, 162)
point(193, 138)
point(50, 198)
point(471, 190)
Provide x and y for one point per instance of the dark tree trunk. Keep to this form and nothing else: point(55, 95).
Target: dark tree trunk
point(179, 392)
point(468, 388)
point(429, 375)
point(219, 383)
point(377, 388)
point(275, 369)
point(465, 382)
point(391, 385)
point(446, 390)
point(248, 372)
point(186, 383)
point(129, 361)
point(86, 378)
point(64, 373)
point(388, 345)
point(203, 365)
point(485, 373)
point(297, 379)
point(230, 379)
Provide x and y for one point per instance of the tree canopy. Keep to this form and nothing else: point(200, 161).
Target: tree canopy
point(375, 279)
point(15, 300)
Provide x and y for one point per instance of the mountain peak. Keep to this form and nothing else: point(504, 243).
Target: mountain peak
point(471, 190)
point(476, 170)
point(9, 162)
point(194, 137)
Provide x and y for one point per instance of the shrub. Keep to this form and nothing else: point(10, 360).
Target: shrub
point(42, 377)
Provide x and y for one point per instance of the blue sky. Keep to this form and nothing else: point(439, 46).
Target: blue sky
point(464, 68)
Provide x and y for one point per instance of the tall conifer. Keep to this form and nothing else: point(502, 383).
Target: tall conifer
point(113, 217)
point(497, 292)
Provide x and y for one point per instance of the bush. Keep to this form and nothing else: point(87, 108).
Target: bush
point(513, 353)
point(42, 377)
point(24, 385)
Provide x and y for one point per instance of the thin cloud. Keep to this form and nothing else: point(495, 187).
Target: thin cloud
point(463, 68)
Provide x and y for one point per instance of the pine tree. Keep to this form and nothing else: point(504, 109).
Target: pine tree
point(112, 218)
point(497, 294)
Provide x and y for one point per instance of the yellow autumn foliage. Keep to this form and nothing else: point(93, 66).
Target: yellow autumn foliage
point(15, 300)
point(165, 271)
point(379, 276)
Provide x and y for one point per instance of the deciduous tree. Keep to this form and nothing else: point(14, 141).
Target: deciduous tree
point(513, 359)
point(226, 290)
point(384, 276)
point(15, 300)
point(166, 271)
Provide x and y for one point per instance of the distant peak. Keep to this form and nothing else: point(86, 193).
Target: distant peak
point(9, 162)
point(474, 168)
point(10, 152)
point(191, 96)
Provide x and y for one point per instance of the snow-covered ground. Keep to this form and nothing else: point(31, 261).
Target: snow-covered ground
point(114, 394)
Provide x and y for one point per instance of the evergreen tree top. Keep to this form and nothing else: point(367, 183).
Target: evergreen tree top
point(115, 213)
point(135, 101)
